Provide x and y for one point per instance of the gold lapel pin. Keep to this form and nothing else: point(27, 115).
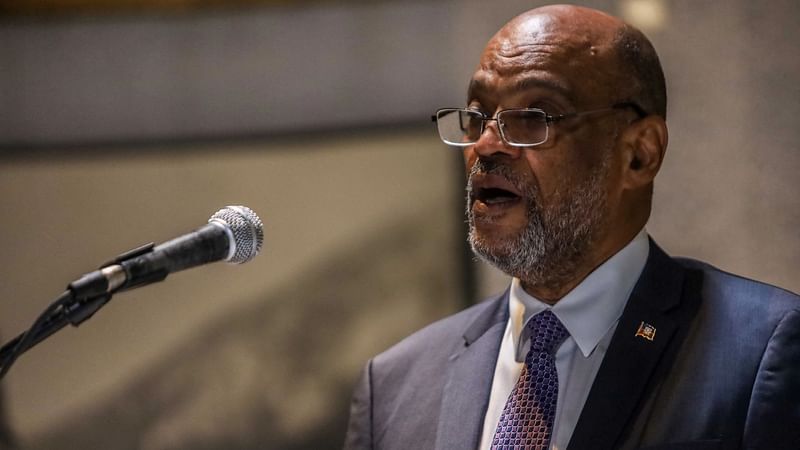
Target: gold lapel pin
point(646, 331)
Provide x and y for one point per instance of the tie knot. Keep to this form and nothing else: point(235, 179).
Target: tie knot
point(547, 332)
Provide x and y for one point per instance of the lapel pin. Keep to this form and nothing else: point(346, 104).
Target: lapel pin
point(646, 331)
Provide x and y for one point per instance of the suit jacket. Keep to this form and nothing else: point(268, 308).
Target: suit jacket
point(721, 372)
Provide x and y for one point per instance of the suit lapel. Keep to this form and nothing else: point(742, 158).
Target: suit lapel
point(630, 368)
point(469, 379)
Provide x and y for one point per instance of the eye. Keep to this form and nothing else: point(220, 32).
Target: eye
point(471, 124)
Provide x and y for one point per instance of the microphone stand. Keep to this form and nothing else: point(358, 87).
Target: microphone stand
point(77, 304)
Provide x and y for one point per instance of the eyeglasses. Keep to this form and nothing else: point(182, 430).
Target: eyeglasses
point(519, 127)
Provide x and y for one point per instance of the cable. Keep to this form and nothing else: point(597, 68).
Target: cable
point(27, 339)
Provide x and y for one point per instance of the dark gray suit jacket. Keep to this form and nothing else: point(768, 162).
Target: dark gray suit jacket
point(722, 372)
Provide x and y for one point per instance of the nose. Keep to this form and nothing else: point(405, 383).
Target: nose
point(490, 142)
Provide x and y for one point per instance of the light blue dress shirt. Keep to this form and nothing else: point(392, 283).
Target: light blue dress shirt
point(590, 313)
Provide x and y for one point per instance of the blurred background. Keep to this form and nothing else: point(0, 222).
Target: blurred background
point(125, 122)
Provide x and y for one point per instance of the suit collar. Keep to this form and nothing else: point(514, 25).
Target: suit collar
point(495, 311)
point(633, 363)
point(468, 381)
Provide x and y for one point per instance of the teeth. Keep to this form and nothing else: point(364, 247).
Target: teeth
point(492, 196)
point(499, 199)
point(494, 200)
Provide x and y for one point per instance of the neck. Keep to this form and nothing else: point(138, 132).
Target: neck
point(553, 289)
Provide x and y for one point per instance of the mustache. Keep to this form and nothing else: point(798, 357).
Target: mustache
point(493, 167)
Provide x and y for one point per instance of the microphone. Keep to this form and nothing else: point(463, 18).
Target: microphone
point(233, 234)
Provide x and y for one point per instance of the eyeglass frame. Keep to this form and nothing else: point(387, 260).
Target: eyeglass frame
point(549, 119)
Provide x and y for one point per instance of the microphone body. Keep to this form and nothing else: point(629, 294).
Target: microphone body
point(209, 243)
point(233, 234)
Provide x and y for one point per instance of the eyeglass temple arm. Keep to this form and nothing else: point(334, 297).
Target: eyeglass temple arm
point(622, 105)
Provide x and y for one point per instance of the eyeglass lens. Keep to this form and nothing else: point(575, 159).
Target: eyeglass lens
point(523, 126)
point(464, 127)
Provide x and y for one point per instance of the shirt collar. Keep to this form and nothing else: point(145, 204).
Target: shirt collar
point(593, 306)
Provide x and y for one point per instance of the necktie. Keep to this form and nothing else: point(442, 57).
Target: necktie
point(527, 419)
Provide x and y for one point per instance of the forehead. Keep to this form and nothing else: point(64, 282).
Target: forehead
point(566, 58)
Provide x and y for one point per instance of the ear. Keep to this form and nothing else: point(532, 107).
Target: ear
point(644, 144)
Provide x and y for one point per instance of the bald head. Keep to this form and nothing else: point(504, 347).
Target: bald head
point(584, 190)
point(616, 62)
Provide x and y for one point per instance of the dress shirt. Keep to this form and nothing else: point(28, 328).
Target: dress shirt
point(590, 313)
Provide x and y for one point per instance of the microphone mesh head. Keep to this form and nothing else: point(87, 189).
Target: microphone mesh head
point(247, 230)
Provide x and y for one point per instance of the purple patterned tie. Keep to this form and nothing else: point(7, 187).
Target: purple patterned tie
point(527, 419)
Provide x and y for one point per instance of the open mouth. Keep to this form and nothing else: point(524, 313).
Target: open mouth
point(495, 195)
point(494, 190)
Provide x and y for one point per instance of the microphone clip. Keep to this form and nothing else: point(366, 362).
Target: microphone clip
point(109, 277)
point(130, 254)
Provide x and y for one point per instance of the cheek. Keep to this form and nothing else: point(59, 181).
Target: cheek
point(561, 169)
point(550, 170)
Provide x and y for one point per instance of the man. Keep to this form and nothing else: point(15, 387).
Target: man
point(602, 341)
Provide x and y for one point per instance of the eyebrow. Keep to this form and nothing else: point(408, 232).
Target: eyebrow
point(524, 84)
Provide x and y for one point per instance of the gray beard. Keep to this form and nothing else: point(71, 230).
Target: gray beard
point(549, 251)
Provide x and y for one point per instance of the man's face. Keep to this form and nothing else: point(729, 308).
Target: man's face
point(537, 212)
